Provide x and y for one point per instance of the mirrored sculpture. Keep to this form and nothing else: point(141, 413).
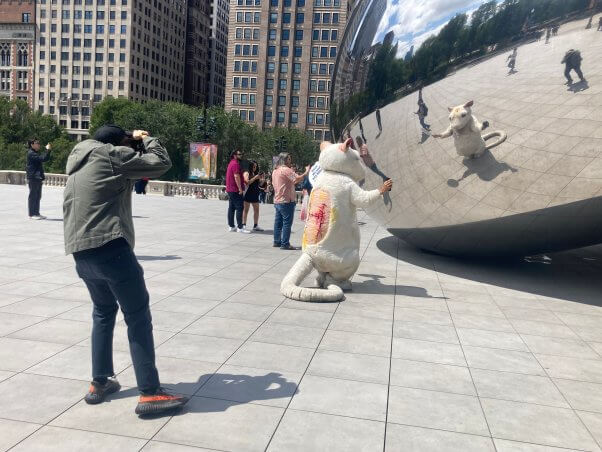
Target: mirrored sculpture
point(488, 119)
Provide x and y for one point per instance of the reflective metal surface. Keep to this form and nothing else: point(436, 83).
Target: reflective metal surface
point(521, 170)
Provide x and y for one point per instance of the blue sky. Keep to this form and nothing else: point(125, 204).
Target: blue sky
point(413, 21)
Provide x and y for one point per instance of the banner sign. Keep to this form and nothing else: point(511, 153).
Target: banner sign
point(314, 172)
point(203, 161)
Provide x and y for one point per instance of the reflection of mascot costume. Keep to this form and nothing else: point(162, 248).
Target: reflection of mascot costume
point(331, 239)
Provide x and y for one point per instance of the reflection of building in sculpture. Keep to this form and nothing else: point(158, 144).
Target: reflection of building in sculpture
point(353, 63)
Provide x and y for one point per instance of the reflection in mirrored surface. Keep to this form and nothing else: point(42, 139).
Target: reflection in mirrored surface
point(487, 117)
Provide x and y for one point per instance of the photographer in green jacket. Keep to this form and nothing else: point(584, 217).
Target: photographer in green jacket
point(99, 232)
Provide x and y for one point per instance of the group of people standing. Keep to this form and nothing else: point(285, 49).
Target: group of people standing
point(247, 187)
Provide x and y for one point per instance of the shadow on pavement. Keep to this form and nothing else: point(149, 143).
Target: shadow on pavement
point(169, 257)
point(572, 275)
point(374, 286)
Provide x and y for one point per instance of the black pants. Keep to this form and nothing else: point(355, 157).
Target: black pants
point(115, 279)
point(235, 204)
point(35, 194)
point(577, 69)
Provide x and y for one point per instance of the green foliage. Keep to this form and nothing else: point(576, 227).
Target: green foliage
point(19, 124)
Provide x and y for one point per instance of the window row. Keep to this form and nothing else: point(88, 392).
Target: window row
point(246, 50)
point(325, 35)
point(280, 117)
point(87, 43)
point(247, 34)
point(326, 18)
point(77, 56)
point(322, 68)
point(281, 101)
point(88, 29)
point(248, 17)
point(88, 15)
point(318, 118)
point(87, 2)
point(319, 85)
point(284, 51)
point(249, 2)
point(319, 134)
point(327, 2)
point(243, 99)
point(85, 70)
point(287, 3)
point(285, 35)
point(245, 115)
point(245, 66)
point(286, 18)
point(86, 84)
point(323, 52)
point(245, 82)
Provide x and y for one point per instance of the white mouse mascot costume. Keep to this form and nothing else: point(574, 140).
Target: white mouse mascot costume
point(331, 239)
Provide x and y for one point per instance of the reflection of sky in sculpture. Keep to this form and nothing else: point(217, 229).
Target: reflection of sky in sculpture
point(414, 21)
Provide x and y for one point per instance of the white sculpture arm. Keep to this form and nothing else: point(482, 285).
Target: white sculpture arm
point(448, 133)
point(363, 198)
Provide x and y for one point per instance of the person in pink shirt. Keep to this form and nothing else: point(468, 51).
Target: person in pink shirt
point(235, 187)
point(284, 180)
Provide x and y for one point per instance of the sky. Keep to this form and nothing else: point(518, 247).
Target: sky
point(413, 21)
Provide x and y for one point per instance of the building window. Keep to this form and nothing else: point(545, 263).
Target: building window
point(335, 18)
point(282, 83)
point(286, 35)
point(273, 18)
point(271, 67)
point(284, 51)
point(296, 85)
point(316, 18)
point(283, 68)
point(253, 82)
point(21, 80)
point(267, 117)
point(236, 83)
point(271, 51)
point(300, 18)
point(251, 115)
point(298, 51)
point(269, 83)
point(252, 98)
point(280, 117)
point(286, 18)
point(272, 35)
point(299, 35)
point(295, 101)
point(334, 34)
point(333, 52)
point(294, 118)
point(26, 18)
point(269, 100)
point(281, 101)
point(297, 68)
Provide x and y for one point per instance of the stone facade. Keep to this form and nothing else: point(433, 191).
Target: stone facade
point(198, 34)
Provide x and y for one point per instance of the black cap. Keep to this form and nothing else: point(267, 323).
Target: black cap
point(110, 133)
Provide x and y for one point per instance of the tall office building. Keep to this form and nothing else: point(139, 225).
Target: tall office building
point(17, 44)
point(198, 32)
point(91, 49)
point(280, 76)
point(218, 52)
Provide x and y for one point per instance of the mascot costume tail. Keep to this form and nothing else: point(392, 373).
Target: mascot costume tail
point(331, 238)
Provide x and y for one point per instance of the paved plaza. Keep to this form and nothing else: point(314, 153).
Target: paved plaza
point(426, 354)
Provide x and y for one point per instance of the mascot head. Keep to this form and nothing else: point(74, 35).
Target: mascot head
point(341, 158)
point(460, 116)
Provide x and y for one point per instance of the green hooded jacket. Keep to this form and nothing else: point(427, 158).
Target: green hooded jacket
point(97, 204)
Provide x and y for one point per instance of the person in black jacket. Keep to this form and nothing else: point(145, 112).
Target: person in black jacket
point(35, 176)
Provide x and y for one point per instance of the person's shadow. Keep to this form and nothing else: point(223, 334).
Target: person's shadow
point(375, 286)
point(579, 86)
point(228, 389)
point(485, 166)
point(425, 136)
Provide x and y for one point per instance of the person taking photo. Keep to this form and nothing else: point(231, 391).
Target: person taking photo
point(35, 176)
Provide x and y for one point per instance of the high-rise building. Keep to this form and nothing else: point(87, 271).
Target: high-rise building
point(218, 52)
point(281, 56)
point(17, 44)
point(198, 32)
point(91, 49)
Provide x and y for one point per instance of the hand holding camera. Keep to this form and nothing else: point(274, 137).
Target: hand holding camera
point(139, 134)
point(386, 186)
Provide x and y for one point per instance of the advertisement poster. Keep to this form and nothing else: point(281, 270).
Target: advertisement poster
point(203, 161)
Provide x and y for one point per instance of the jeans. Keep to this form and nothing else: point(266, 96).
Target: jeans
point(262, 197)
point(115, 279)
point(235, 204)
point(577, 69)
point(285, 212)
point(35, 194)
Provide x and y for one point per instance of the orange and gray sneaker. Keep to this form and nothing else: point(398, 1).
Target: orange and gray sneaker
point(159, 402)
point(98, 392)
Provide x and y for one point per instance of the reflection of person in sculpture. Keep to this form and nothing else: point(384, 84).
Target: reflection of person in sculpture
point(367, 158)
point(512, 61)
point(378, 120)
point(362, 130)
point(422, 112)
point(572, 61)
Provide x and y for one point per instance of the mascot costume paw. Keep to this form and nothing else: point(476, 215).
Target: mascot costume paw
point(331, 239)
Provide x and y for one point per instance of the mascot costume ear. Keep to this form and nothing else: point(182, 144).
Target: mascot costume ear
point(331, 236)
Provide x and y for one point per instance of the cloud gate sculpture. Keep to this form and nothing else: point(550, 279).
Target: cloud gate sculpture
point(487, 118)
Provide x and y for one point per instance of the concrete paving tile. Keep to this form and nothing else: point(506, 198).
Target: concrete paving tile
point(537, 328)
point(536, 424)
point(55, 330)
point(17, 403)
point(120, 338)
point(580, 320)
point(172, 321)
point(321, 307)
point(7, 299)
point(588, 333)
point(342, 341)
point(479, 309)
point(266, 299)
point(301, 431)
point(341, 397)
point(242, 311)
point(502, 360)
point(200, 348)
point(424, 331)
point(503, 445)
point(115, 417)
point(358, 324)
point(5, 375)
point(435, 377)
point(491, 339)
point(581, 395)
point(444, 411)
point(9, 323)
point(272, 356)
point(423, 316)
point(222, 327)
point(518, 388)
point(186, 305)
point(559, 347)
point(76, 363)
point(482, 322)
point(18, 355)
point(31, 289)
point(416, 439)
point(299, 336)
point(223, 425)
point(249, 384)
point(434, 352)
point(158, 446)
point(350, 366)
point(572, 368)
point(179, 375)
point(212, 288)
point(12, 432)
point(39, 306)
point(55, 439)
point(74, 292)
point(430, 304)
point(299, 317)
point(593, 422)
